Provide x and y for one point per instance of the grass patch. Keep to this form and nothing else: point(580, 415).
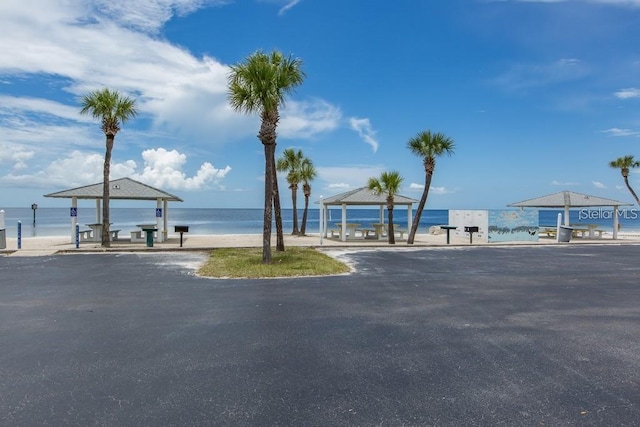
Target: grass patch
point(293, 262)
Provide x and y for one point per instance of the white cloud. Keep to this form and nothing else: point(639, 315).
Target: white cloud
point(564, 184)
point(288, 6)
point(627, 93)
point(306, 119)
point(149, 15)
point(432, 190)
point(339, 186)
point(598, 184)
point(365, 130)
point(14, 155)
point(620, 132)
point(345, 177)
point(163, 169)
point(527, 76)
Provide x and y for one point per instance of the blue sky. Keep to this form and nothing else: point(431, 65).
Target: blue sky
point(538, 95)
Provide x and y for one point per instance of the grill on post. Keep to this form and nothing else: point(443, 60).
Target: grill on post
point(181, 229)
point(471, 230)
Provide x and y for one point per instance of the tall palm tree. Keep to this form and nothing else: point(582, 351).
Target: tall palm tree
point(388, 184)
point(429, 146)
point(624, 164)
point(113, 109)
point(259, 85)
point(290, 162)
point(307, 174)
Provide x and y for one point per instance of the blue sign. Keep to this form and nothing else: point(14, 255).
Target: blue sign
point(74, 212)
point(158, 212)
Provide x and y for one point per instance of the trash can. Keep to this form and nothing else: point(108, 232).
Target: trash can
point(149, 232)
point(564, 235)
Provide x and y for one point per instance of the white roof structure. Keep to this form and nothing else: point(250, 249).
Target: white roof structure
point(123, 188)
point(364, 197)
point(569, 199)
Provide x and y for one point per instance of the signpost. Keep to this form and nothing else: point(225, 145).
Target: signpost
point(34, 207)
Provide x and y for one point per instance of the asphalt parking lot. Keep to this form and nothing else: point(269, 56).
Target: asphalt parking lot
point(467, 336)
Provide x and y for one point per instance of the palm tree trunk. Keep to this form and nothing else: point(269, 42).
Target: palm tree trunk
point(303, 228)
point(421, 204)
point(392, 234)
point(276, 204)
point(105, 192)
point(294, 200)
point(635, 196)
point(269, 149)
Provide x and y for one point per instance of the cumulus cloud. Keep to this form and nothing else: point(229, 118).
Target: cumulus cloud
point(17, 157)
point(365, 130)
point(163, 168)
point(598, 184)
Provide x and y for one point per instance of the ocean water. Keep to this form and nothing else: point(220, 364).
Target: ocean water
point(56, 221)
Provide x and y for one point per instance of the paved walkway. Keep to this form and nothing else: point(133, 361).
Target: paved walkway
point(37, 246)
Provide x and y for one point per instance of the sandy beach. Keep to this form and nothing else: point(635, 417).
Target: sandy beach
point(34, 246)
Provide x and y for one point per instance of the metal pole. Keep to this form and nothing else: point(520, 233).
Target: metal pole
point(34, 206)
point(77, 236)
point(19, 234)
point(321, 220)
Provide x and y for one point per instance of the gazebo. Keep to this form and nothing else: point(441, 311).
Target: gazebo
point(568, 199)
point(122, 189)
point(361, 197)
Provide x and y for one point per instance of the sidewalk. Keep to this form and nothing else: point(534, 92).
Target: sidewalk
point(44, 246)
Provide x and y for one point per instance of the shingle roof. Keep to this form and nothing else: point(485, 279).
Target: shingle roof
point(364, 196)
point(123, 188)
point(570, 199)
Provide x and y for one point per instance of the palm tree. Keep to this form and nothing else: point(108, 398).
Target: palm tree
point(259, 85)
point(290, 162)
point(389, 185)
point(112, 108)
point(624, 164)
point(307, 174)
point(429, 146)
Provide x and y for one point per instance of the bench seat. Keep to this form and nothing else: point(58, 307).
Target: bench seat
point(113, 234)
point(85, 235)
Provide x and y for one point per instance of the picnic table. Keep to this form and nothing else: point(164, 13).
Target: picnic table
point(139, 235)
point(94, 234)
point(350, 232)
point(591, 229)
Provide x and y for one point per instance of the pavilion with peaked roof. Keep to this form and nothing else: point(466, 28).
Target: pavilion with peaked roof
point(361, 197)
point(569, 199)
point(122, 189)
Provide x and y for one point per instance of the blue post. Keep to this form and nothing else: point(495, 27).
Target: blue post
point(19, 234)
point(77, 236)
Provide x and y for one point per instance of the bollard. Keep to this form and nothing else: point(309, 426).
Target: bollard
point(77, 236)
point(19, 234)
